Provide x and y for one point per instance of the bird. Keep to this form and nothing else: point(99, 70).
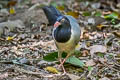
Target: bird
point(66, 32)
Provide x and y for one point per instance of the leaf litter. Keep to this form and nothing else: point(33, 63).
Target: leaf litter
point(26, 40)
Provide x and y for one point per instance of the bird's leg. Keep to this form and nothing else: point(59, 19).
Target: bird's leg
point(61, 64)
point(60, 59)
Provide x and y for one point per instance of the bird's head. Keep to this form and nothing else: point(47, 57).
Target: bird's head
point(61, 20)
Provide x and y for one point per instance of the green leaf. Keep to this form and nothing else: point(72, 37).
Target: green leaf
point(87, 13)
point(75, 61)
point(98, 13)
point(90, 68)
point(55, 4)
point(113, 15)
point(51, 56)
point(100, 55)
point(113, 21)
point(72, 60)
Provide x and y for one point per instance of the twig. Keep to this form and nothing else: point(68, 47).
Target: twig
point(26, 71)
point(6, 62)
point(83, 74)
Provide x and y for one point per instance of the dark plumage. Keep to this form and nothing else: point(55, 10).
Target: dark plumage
point(63, 29)
point(60, 31)
point(66, 31)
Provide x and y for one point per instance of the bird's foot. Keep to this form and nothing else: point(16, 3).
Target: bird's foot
point(61, 65)
point(62, 62)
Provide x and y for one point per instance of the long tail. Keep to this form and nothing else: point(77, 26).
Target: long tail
point(51, 13)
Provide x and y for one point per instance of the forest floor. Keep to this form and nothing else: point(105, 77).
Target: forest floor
point(26, 38)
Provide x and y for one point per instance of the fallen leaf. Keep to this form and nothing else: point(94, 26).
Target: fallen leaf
point(86, 35)
point(98, 13)
point(102, 60)
point(73, 77)
point(85, 53)
point(51, 56)
point(4, 75)
point(100, 26)
point(90, 63)
point(116, 33)
point(105, 78)
point(52, 70)
point(75, 61)
point(91, 21)
point(12, 10)
point(96, 5)
point(87, 13)
point(97, 48)
point(74, 14)
point(117, 26)
point(9, 38)
point(113, 15)
point(11, 3)
point(100, 55)
point(106, 12)
point(90, 68)
point(50, 44)
point(61, 8)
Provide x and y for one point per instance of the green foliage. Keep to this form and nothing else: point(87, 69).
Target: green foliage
point(51, 56)
point(72, 60)
point(111, 16)
point(54, 3)
point(98, 13)
point(87, 13)
point(90, 68)
point(100, 55)
point(75, 61)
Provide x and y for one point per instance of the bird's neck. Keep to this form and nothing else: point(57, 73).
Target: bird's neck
point(62, 33)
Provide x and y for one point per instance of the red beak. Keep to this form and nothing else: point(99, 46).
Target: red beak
point(57, 24)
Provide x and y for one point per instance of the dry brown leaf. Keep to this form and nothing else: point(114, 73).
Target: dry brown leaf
point(90, 63)
point(88, 44)
point(85, 53)
point(100, 26)
point(106, 12)
point(116, 33)
point(11, 3)
point(61, 8)
point(97, 48)
point(102, 60)
point(105, 78)
point(74, 14)
point(2, 76)
point(50, 44)
point(73, 77)
point(86, 35)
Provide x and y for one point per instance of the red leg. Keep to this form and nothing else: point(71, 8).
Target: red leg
point(61, 63)
point(62, 66)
